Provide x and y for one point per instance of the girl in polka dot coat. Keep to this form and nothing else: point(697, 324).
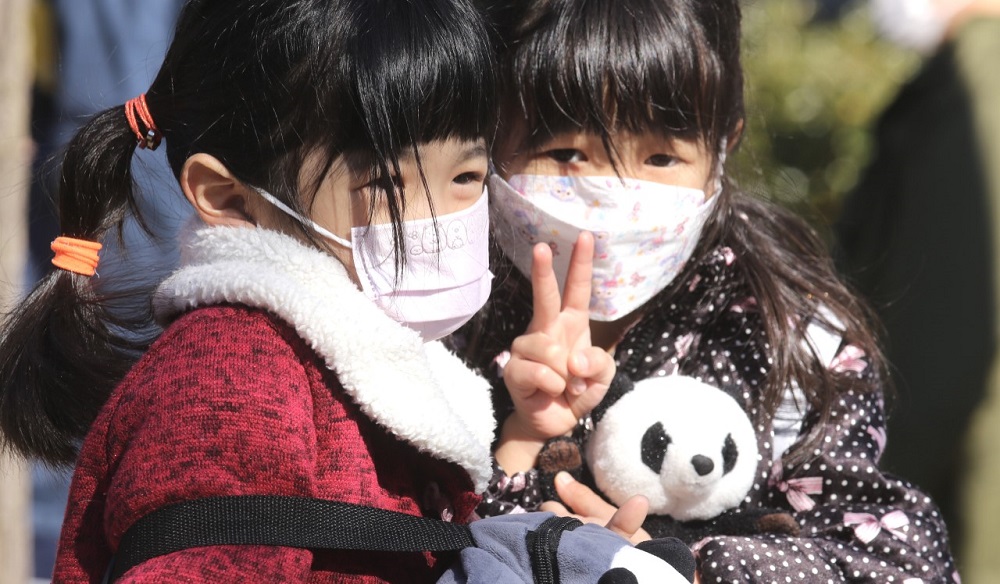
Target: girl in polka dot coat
point(621, 104)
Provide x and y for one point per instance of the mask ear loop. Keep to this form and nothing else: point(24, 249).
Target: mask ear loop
point(304, 220)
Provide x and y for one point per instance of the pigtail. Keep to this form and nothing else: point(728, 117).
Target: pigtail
point(61, 353)
point(793, 277)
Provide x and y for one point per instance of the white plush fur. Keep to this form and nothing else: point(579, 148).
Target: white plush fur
point(697, 417)
point(420, 392)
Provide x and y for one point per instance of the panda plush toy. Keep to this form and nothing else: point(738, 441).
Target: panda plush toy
point(686, 445)
point(541, 548)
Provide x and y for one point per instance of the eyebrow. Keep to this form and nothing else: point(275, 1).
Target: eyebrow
point(466, 155)
point(473, 152)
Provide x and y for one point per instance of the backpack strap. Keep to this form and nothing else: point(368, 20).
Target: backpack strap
point(274, 520)
point(543, 548)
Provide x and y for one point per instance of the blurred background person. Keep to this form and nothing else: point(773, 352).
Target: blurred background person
point(918, 235)
point(91, 55)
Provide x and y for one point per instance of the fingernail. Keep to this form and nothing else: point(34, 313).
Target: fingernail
point(563, 478)
point(577, 386)
point(580, 360)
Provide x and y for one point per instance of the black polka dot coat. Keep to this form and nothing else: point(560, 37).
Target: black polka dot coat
point(857, 523)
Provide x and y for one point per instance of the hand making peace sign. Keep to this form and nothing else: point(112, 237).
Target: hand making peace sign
point(555, 375)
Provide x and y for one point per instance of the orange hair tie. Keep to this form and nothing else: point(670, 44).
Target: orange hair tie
point(76, 255)
point(137, 110)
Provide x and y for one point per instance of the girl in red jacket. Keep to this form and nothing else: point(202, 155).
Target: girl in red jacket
point(335, 153)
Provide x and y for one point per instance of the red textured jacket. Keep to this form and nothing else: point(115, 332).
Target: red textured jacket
point(244, 399)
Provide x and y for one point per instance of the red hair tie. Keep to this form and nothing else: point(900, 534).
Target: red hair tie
point(136, 110)
point(76, 255)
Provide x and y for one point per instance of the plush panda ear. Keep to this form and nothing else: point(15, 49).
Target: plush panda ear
point(620, 385)
point(618, 576)
point(674, 552)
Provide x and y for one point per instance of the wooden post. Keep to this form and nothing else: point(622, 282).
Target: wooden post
point(15, 160)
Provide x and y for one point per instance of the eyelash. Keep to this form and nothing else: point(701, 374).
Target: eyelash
point(571, 155)
point(559, 155)
point(668, 159)
point(468, 178)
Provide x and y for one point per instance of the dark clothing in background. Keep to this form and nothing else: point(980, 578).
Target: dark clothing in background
point(917, 238)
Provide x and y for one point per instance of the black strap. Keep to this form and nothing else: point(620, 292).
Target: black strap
point(281, 521)
point(543, 547)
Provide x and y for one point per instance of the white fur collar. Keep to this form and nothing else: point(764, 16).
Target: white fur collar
point(420, 392)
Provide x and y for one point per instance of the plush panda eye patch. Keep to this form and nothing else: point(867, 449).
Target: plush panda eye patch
point(654, 447)
point(729, 454)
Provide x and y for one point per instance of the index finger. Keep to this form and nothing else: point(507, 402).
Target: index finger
point(544, 287)
point(579, 277)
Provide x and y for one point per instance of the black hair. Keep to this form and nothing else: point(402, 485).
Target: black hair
point(673, 67)
point(260, 85)
point(603, 67)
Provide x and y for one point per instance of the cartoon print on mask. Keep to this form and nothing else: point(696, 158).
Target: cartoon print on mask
point(601, 239)
point(633, 217)
point(634, 222)
point(658, 238)
point(563, 191)
point(457, 235)
point(526, 227)
point(427, 240)
point(604, 291)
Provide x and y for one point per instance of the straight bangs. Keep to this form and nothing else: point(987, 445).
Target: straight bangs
point(408, 73)
point(605, 67)
point(370, 80)
point(421, 71)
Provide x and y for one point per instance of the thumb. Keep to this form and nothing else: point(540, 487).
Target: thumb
point(627, 520)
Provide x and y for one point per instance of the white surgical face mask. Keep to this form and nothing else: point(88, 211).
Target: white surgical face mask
point(644, 231)
point(915, 24)
point(445, 278)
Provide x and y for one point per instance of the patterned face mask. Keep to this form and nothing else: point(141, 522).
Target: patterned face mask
point(643, 231)
point(446, 277)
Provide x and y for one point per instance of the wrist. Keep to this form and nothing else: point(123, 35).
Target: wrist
point(518, 446)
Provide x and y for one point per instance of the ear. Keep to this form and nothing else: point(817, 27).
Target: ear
point(217, 196)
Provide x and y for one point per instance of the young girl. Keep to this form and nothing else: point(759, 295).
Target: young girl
point(617, 118)
point(317, 141)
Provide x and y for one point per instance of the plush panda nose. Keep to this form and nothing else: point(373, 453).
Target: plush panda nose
point(702, 464)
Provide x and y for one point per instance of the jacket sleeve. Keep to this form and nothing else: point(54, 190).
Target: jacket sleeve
point(858, 523)
point(224, 410)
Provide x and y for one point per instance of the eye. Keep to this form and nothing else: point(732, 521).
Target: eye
point(661, 160)
point(654, 447)
point(469, 178)
point(565, 155)
point(729, 454)
point(377, 184)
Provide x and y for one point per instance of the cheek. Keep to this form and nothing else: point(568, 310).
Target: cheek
point(681, 175)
